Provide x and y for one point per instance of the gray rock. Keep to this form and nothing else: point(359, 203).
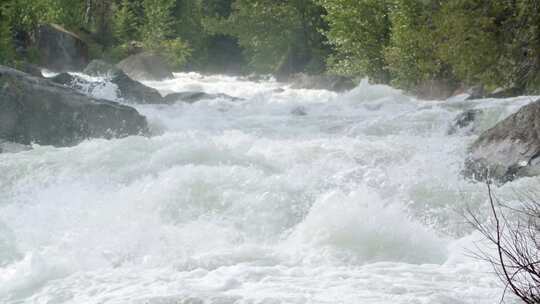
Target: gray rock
point(134, 91)
point(61, 50)
point(101, 68)
point(434, 89)
point(465, 120)
point(299, 111)
point(146, 66)
point(36, 110)
point(192, 97)
point(321, 82)
point(506, 92)
point(130, 90)
point(509, 150)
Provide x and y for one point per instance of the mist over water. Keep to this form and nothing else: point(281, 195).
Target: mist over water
point(288, 196)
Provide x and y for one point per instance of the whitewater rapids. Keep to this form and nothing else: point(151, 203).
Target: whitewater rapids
point(289, 196)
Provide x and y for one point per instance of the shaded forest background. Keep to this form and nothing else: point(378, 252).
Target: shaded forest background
point(405, 43)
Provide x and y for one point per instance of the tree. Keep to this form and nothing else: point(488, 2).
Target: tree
point(277, 36)
point(125, 24)
point(411, 54)
point(359, 30)
point(7, 50)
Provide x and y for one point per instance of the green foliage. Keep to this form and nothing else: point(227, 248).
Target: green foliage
point(471, 41)
point(125, 23)
point(7, 50)
point(275, 35)
point(411, 55)
point(158, 22)
point(176, 52)
point(359, 30)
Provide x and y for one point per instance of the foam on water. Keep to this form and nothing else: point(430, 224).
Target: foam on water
point(357, 201)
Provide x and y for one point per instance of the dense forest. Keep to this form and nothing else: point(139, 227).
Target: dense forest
point(405, 43)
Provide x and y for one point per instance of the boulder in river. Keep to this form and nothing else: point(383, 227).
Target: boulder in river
point(321, 82)
point(146, 66)
point(130, 90)
point(192, 97)
point(465, 120)
point(61, 50)
point(509, 150)
point(101, 68)
point(36, 110)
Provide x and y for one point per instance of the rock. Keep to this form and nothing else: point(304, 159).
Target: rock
point(434, 89)
point(299, 111)
point(464, 120)
point(509, 150)
point(130, 90)
point(321, 82)
point(135, 47)
point(61, 50)
point(146, 66)
point(134, 91)
point(101, 68)
point(36, 110)
point(192, 97)
point(31, 69)
point(506, 92)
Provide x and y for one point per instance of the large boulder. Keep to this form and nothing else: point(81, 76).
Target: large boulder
point(509, 150)
point(321, 82)
point(146, 66)
point(60, 50)
point(36, 110)
point(130, 90)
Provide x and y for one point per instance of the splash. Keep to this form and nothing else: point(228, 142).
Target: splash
point(353, 199)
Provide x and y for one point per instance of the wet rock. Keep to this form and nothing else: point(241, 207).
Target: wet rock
point(506, 92)
point(192, 97)
point(130, 90)
point(299, 111)
point(134, 91)
point(146, 66)
point(465, 120)
point(31, 69)
point(36, 110)
point(321, 82)
point(434, 89)
point(509, 150)
point(61, 50)
point(101, 68)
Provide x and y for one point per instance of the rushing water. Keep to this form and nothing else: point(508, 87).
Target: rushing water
point(290, 196)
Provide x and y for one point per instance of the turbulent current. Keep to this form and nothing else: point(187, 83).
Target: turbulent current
point(286, 196)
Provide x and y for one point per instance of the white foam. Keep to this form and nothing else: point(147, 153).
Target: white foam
point(247, 202)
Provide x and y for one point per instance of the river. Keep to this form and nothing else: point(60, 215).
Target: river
point(286, 196)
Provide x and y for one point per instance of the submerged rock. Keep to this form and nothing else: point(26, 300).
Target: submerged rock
point(101, 68)
point(509, 150)
point(299, 111)
point(36, 110)
point(321, 82)
point(146, 66)
point(465, 120)
point(192, 97)
point(61, 50)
